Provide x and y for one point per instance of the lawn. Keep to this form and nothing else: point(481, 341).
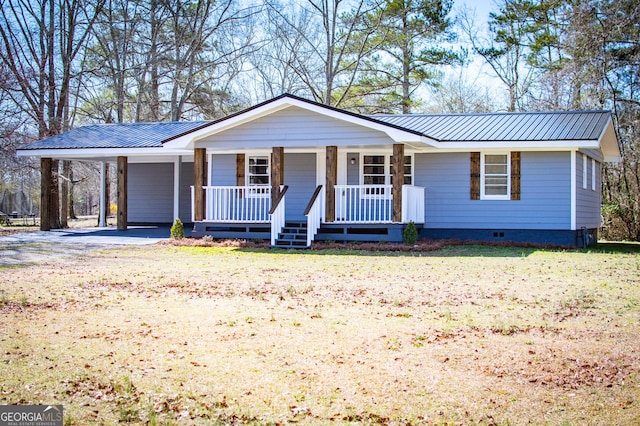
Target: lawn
point(191, 335)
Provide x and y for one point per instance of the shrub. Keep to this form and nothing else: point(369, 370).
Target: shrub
point(410, 234)
point(177, 230)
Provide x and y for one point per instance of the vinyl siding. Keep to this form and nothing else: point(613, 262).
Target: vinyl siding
point(588, 201)
point(300, 176)
point(150, 193)
point(223, 170)
point(545, 194)
point(295, 127)
point(186, 182)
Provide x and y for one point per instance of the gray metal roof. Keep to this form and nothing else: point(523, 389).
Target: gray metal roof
point(498, 127)
point(132, 135)
point(489, 127)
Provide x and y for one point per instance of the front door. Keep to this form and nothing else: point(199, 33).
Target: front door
point(300, 176)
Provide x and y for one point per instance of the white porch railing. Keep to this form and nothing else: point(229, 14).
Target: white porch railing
point(277, 215)
point(248, 204)
point(374, 204)
point(363, 204)
point(412, 204)
point(315, 214)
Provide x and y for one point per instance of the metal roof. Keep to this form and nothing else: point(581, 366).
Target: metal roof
point(485, 127)
point(131, 135)
point(503, 127)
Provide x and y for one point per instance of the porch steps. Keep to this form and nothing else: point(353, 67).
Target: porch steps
point(293, 235)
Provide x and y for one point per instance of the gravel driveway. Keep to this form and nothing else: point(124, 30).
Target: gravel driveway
point(39, 246)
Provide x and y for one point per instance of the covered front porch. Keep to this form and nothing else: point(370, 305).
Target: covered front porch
point(295, 198)
point(361, 212)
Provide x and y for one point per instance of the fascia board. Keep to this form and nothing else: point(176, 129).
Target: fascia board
point(100, 152)
point(609, 144)
point(523, 145)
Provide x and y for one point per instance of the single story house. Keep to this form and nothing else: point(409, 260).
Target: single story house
point(294, 171)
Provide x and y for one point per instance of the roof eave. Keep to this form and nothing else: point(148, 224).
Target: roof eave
point(608, 143)
point(91, 153)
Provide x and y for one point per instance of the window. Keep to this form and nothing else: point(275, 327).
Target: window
point(373, 168)
point(258, 174)
point(377, 170)
point(593, 174)
point(408, 170)
point(495, 177)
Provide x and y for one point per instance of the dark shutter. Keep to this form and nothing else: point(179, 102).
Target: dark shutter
point(475, 176)
point(240, 181)
point(515, 175)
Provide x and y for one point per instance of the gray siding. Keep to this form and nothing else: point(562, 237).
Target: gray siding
point(353, 170)
point(150, 193)
point(588, 201)
point(223, 170)
point(545, 194)
point(186, 181)
point(295, 127)
point(300, 176)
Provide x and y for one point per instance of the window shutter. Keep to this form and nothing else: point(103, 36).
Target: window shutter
point(515, 175)
point(475, 175)
point(240, 181)
point(240, 170)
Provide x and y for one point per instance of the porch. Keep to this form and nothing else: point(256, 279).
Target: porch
point(360, 212)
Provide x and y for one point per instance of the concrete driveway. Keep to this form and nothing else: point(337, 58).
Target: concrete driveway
point(40, 246)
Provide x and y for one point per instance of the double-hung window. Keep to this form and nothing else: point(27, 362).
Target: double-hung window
point(495, 177)
point(377, 170)
point(258, 175)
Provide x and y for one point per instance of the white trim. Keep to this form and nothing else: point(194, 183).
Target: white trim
point(103, 195)
point(247, 176)
point(574, 183)
point(584, 171)
point(321, 168)
point(387, 164)
point(341, 167)
point(593, 174)
point(484, 196)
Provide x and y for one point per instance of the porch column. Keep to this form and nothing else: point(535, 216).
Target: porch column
point(102, 205)
point(199, 169)
point(45, 193)
point(397, 171)
point(123, 172)
point(332, 179)
point(277, 169)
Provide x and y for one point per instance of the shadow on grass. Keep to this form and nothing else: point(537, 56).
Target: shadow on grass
point(467, 250)
point(614, 248)
point(424, 248)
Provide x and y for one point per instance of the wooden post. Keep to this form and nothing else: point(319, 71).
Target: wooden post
point(123, 172)
point(45, 193)
point(397, 172)
point(277, 175)
point(332, 179)
point(54, 196)
point(200, 174)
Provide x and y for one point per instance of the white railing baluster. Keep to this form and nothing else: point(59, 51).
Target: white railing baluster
point(242, 204)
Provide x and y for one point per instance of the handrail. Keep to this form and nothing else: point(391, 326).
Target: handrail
point(277, 201)
point(313, 200)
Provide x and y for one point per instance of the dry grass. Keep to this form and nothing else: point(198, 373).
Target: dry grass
point(201, 335)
